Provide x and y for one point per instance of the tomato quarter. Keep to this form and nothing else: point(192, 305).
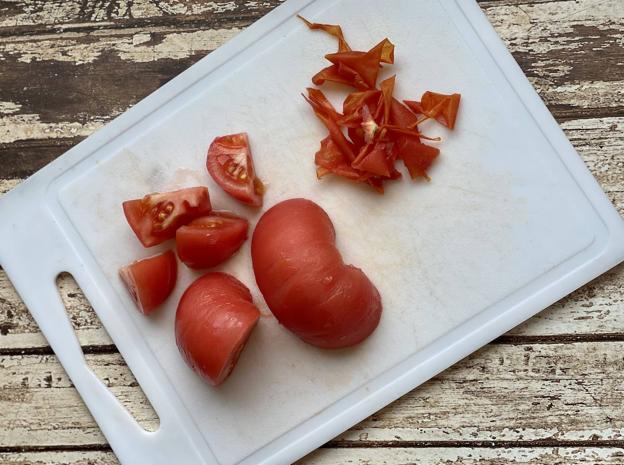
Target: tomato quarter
point(156, 217)
point(214, 319)
point(207, 241)
point(230, 164)
point(150, 280)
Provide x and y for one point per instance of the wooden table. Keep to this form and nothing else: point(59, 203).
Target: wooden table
point(549, 392)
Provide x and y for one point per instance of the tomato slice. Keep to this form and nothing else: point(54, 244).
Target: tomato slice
point(230, 164)
point(210, 240)
point(150, 280)
point(155, 217)
point(214, 319)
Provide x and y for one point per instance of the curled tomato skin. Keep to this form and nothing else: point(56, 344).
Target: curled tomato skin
point(440, 107)
point(304, 280)
point(150, 280)
point(230, 164)
point(210, 240)
point(214, 320)
point(156, 217)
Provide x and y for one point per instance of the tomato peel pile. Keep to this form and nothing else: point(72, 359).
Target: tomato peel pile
point(380, 129)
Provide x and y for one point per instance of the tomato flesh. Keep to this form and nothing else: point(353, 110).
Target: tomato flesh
point(210, 240)
point(304, 281)
point(214, 319)
point(230, 164)
point(156, 217)
point(150, 280)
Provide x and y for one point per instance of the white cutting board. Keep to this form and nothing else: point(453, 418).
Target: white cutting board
point(511, 222)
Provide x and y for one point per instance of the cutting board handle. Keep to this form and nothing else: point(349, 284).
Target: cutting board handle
point(34, 252)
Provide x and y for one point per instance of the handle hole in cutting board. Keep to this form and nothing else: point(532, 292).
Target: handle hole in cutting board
point(102, 355)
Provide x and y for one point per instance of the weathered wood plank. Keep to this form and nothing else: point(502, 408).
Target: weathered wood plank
point(36, 15)
point(59, 458)
point(572, 51)
point(559, 392)
point(379, 456)
point(465, 456)
point(40, 405)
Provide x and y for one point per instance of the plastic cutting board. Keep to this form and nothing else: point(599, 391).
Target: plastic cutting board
point(511, 222)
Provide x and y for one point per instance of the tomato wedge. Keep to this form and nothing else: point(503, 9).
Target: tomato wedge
point(230, 164)
point(155, 217)
point(210, 240)
point(214, 319)
point(150, 280)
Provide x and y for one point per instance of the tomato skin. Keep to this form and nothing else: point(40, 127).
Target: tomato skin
point(210, 240)
point(150, 280)
point(214, 319)
point(230, 164)
point(304, 281)
point(156, 217)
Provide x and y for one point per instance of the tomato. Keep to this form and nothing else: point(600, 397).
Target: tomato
point(150, 280)
point(156, 217)
point(230, 164)
point(210, 240)
point(214, 319)
point(304, 281)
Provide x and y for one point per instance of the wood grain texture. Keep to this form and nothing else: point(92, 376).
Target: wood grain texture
point(380, 456)
point(503, 393)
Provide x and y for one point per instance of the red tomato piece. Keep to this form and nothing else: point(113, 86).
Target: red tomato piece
point(441, 107)
point(304, 281)
point(150, 280)
point(417, 157)
point(156, 217)
point(402, 116)
point(210, 240)
point(365, 65)
point(375, 159)
point(331, 29)
point(353, 105)
point(387, 89)
point(330, 122)
point(330, 159)
point(230, 164)
point(215, 317)
point(320, 103)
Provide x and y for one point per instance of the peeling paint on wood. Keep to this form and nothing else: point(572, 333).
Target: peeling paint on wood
point(524, 392)
point(464, 456)
point(21, 127)
point(137, 46)
point(66, 13)
point(377, 456)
